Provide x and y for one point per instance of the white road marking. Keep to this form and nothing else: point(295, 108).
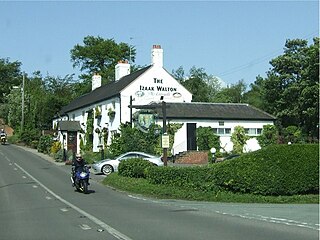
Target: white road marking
point(24, 177)
point(48, 197)
point(97, 221)
point(85, 227)
point(274, 220)
point(64, 209)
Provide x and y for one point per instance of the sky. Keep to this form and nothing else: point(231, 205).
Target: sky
point(233, 40)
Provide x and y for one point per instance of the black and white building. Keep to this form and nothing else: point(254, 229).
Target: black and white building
point(153, 85)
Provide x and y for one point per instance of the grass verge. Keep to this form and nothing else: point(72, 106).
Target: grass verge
point(143, 187)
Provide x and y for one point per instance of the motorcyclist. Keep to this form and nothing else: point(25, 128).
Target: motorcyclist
point(77, 165)
point(3, 136)
point(2, 132)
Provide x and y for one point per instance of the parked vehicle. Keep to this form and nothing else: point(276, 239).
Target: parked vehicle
point(107, 166)
point(231, 157)
point(80, 179)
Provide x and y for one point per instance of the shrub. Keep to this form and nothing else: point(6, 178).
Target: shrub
point(55, 147)
point(58, 156)
point(91, 157)
point(269, 136)
point(45, 143)
point(274, 170)
point(196, 178)
point(134, 167)
point(29, 135)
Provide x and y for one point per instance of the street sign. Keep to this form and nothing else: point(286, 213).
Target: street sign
point(165, 141)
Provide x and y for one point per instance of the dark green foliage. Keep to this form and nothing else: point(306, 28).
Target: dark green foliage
point(99, 55)
point(196, 178)
point(30, 136)
point(45, 143)
point(134, 167)
point(275, 170)
point(206, 139)
point(132, 139)
point(239, 139)
point(269, 136)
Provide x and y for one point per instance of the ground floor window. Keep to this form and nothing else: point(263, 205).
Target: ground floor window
point(222, 131)
point(253, 131)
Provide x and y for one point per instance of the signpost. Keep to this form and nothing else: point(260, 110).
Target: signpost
point(165, 137)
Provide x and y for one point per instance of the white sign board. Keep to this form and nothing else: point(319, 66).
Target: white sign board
point(165, 141)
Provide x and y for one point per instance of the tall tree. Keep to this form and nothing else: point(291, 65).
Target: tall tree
point(10, 75)
point(232, 94)
point(203, 87)
point(291, 89)
point(254, 95)
point(98, 55)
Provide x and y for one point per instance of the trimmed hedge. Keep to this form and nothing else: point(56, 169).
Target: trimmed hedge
point(134, 167)
point(275, 170)
point(197, 178)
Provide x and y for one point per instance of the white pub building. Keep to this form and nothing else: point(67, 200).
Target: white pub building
point(153, 85)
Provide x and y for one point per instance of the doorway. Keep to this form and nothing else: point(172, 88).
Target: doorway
point(72, 142)
point(191, 136)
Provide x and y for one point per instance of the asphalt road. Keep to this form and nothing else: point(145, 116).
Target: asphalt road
point(38, 202)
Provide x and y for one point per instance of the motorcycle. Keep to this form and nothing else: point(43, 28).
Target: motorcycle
point(80, 179)
point(3, 140)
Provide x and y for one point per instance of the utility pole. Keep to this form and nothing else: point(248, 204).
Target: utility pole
point(164, 129)
point(131, 111)
point(22, 103)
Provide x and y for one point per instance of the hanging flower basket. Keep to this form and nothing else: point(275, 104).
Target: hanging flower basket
point(111, 113)
point(97, 112)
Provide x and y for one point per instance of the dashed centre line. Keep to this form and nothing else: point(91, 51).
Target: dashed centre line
point(97, 221)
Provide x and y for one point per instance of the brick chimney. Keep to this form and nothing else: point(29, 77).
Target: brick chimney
point(122, 69)
point(157, 56)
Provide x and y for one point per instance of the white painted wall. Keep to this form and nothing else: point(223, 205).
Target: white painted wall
point(180, 139)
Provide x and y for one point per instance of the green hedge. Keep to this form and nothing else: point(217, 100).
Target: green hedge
point(134, 167)
point(275, 170)
point(197, 178)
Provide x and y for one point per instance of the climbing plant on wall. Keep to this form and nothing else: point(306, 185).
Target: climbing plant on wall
point(89, 131)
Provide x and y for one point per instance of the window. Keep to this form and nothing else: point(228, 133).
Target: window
point(221, 123)
point(227, 130)
point(222, 131)
point(253, 131)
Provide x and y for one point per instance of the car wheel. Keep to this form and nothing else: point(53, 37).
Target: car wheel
point(107, 169)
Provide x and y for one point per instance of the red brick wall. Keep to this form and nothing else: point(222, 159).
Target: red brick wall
point(193, 157)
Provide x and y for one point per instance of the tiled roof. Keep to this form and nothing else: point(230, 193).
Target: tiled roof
point(217, 111)
point(69, 126)
point(104, 92)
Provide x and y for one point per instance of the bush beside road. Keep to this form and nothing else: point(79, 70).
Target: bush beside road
point(277, 174)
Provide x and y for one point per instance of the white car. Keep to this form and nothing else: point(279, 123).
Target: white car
point(107, 166)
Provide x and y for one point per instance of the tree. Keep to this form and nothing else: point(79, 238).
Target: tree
point(203, 87)
point(269, 135)
point(254, 95)
point(10, 75)
point(232, 94)
point(239, 139)
point(291, 89)
point(98, 55)
point(179, 74)
point(206, 139)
